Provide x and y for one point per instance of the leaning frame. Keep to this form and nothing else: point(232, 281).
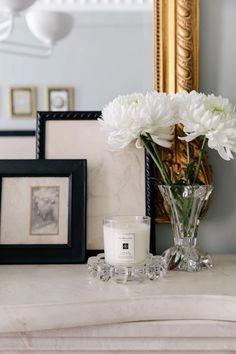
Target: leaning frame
point(72, 251)
point(176, 44)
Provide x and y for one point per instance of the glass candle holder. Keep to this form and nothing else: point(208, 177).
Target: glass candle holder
point(126, 239)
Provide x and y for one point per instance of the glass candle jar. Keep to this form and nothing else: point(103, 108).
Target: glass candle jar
point(126, 239)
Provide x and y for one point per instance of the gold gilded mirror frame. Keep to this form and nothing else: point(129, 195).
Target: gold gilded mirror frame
point(176, 66)
point(176, 45)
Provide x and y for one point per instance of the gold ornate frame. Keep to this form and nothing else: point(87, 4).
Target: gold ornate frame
point(17, 110)
point(176, 63)
point(176, 45)
point(69, 93)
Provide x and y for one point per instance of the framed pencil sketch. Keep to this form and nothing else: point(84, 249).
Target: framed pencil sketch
point(22, 102)
point(59, 99)
point(43, 211)
point(116, 179)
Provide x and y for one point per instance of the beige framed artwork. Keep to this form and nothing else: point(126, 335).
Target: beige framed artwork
point(59, 99)
point(44, 218)
point(43, 211)
point(116, 179)
point(22, 102)
point(44, 215)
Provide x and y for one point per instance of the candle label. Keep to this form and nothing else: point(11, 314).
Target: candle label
point(125, 247)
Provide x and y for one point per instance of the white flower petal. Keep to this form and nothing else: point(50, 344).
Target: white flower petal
point(126, 117)
point(139, 144)
point(223, 153)
point(163, 143)
point(189, 137)
point(209, 116)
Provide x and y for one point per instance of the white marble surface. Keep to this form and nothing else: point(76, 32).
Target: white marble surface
point(38, 297)
point(175, 337)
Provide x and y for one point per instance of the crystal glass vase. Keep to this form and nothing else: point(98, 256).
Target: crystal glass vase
point(184, 205)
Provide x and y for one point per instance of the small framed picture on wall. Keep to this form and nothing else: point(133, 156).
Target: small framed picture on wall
point(22, 101)
point(59, 99)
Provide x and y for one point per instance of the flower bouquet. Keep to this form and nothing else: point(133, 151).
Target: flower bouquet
point(149, 121)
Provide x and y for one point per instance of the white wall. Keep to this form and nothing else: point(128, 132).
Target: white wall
point(217, 232)
point(106, 54)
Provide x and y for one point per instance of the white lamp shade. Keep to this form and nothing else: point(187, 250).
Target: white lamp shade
point(49, 26)
point(15, 5)
point(6, 25)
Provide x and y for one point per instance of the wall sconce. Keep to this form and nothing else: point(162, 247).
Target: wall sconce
point(15, 6)
point(47, 26)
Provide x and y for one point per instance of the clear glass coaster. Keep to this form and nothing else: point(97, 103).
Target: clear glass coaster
point(152, 268)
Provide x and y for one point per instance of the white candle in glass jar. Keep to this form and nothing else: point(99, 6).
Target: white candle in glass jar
point(126, 239)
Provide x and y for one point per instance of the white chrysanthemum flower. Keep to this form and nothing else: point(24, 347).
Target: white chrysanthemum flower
point(161, 113)
point(127, 117)
point(181, 100)
point(212, 117)
point(119, 119)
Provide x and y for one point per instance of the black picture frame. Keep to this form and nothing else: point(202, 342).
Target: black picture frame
point(74, 250)
point(44, 117)
point(150, 193)
point(17, 133)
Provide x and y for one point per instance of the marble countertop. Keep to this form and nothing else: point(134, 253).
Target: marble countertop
point(37, 297)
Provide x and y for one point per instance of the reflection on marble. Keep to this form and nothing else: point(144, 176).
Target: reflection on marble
point(116, 179)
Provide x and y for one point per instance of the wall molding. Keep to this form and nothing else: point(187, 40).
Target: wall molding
point(96, 5)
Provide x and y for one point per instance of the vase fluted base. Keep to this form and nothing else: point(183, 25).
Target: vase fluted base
point(187, 258)
point(184, 203)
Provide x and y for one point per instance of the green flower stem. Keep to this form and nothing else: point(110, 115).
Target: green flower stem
point(156, 158)
point(188, 166)
point(199, 160)
point(187, 152)
point(163, 167)
point(154, 146)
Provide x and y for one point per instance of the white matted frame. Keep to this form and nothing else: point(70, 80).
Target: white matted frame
point(43, 211)
point(116, 180)
point(22, 102)
point(59, 99)
point(44, 218)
